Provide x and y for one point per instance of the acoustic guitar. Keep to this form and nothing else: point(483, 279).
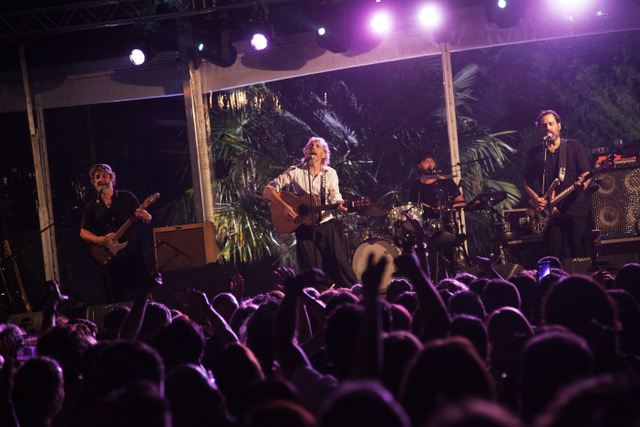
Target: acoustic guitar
point(539, 219)
point(306, 214)
point(103, 255)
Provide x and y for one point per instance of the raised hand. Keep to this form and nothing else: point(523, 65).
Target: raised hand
point(192, 298)
point(236, 286)
point(372, 276)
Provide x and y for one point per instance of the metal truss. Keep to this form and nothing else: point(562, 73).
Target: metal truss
point(106, 14)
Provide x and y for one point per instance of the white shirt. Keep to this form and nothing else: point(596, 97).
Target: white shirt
point(298, 178)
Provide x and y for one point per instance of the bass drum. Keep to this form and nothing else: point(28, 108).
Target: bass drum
point(379, 248)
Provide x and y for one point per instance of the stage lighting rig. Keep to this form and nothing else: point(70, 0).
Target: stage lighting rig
point(141, 53)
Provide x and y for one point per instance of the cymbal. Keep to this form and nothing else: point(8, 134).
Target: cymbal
point(438, 176)
point(372, 210)
point(485, 200)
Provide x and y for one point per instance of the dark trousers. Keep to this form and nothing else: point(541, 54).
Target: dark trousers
point(326, 252)
point(569, 232)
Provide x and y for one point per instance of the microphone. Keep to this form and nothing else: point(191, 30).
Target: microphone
point(100, 190)
point(311, 157)
point(547, 137)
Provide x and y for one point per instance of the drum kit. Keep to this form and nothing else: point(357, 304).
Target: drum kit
point(388, 233)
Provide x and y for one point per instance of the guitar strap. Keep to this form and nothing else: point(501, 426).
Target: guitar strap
point(563, 160)
point(322, 189)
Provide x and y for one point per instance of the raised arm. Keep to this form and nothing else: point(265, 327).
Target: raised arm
point(198, 301)
point(367, 361)
point(434, 314)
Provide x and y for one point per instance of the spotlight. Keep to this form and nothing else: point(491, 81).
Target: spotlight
point(504, 13)
point(259, 41)
point(140, 54)
point(218, 49)
point(381, 22)
point(430, 16)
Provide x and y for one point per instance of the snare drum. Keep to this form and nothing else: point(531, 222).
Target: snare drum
point(379, 248)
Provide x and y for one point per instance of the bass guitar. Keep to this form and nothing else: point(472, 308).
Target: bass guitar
point(539, 219)
point(103, 255)
point(306, 214)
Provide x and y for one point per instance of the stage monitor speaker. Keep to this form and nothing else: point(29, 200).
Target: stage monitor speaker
point(616, 203)
point(611, 263)
point(185, 246)
point(95, 313)
point(504, 270)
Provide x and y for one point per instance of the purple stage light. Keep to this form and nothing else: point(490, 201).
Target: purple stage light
point(430, 16)
point(381, 22)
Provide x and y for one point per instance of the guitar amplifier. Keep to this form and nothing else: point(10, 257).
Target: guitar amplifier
point(518, 221)
point(185, 246)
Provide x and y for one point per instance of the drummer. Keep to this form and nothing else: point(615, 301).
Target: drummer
point(436, 192)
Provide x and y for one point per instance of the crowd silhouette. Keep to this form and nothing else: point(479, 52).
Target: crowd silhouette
point(466, 351)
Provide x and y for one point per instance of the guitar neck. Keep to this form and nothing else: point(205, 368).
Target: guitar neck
point(124, 227)
point(560, 197)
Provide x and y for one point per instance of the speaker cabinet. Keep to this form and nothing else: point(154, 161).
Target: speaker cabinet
point(95, 313)
point(616, 203)
point(185, 246)
point(31, 323)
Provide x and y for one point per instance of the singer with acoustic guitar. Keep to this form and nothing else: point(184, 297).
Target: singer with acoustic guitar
point(113, 244)
point(308, 210)
point(558, 166)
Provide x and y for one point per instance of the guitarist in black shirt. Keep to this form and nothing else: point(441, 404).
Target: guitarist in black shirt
point(564, 223)
point(122, 258)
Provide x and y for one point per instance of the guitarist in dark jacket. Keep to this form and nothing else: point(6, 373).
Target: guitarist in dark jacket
point(123, 258)
point(565, 160)
point(323, 249)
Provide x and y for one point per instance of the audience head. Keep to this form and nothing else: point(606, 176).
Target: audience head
point(628, 279)
point(38, 391)
point(576, 302)
point(447, 370)
point(225, 304)
point(397, 287)
point(113, 319)
point(473, 329)
point(507, 328)
point(467, 302)
point(180, 342)
point(399, 348)
point(500, 293)
point(473, 413)
point(363, 403)
point(194, 401)
point(551, 360)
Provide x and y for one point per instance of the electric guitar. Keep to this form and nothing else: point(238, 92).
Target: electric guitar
point(539, 219)
point(306, 214)
point(103, 255)
point(23, 303)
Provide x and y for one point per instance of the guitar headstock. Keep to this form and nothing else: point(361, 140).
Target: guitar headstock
point(151, 199)
point(606, 164)
point(361, 203)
